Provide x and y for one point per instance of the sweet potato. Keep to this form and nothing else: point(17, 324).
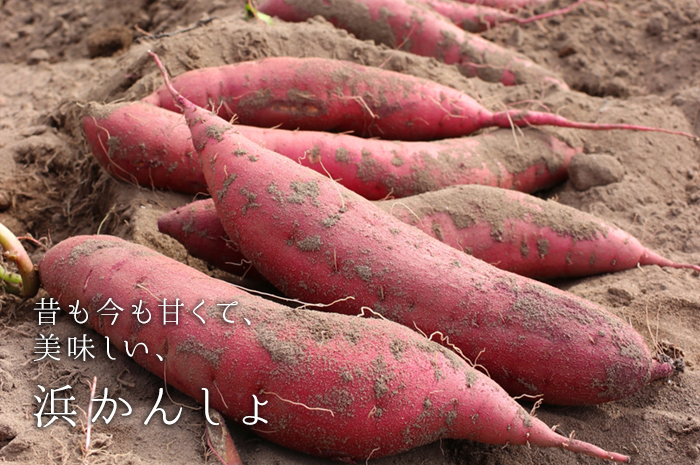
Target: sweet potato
point(320, 242)
point(198, 228)
point(511, 5)
point(143, 147)
point(416, 28)
point(524, 234)
point(323, 378)
point(476, 17)
point(332, 95)
point(372, 168)
point(512, 231)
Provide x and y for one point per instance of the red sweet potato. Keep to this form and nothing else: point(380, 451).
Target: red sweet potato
point(513, 231)
point(476, 17)
point(319, 242)
point(524, 234)
point(416, 28)
point(332, 95)
point(323, 378)
point(143, 147)
point(198, 228)
point(137, 152)
point(511, 5)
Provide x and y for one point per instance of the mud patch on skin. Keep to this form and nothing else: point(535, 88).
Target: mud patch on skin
point(397, 348)
point(524, 249)
point(543, 247)
point(619, 382)
point(369, 169)
point(315, 155)
point(310, 244)
point(251, 199)
point(525, 417)
point(331, 221)
point(341, 155)
point(221, 193)
point(188, 225)
point(397, 161)
point(217, 132)
point(113, 143)
point(274, 191)
point(302, 191)
point(259, 99)
point(470, 205)
point(470, 377)
point(89, 247)
point(364, 272)
point(192, 346)
point(535, 149)
point(338, 400)
point(450, 417)
point(321, 331)
point(281, 350)
point(382, 377)
point(300, 103)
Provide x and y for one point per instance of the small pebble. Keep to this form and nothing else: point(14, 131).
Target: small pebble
point(37, 56)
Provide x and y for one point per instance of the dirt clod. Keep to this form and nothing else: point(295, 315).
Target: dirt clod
point(657, 25)
point(5, 201)
point(591, 170)
point(107, 42)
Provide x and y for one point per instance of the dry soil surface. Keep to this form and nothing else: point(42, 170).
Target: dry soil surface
point(633, 61)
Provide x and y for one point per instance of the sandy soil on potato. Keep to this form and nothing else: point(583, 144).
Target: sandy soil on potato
point(635, 61)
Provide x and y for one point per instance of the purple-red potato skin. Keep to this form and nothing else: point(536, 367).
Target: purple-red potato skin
point(325, 377)
point(319, 242)
point(415, 27)
point(319, 94)
point(376, 168)
point(198, 228)
point(524, 234)
point(477, 17)
point(513, 231)
point(511, 5)
point(372, 168)
point(143, 147)
point(471, 17)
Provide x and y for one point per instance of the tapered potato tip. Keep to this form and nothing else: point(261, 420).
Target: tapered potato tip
point(543, 436)
point(652, 258)
point(220, 441)
point(177, 98)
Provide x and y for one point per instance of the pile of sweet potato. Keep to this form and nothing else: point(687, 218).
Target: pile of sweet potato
point(307, 208)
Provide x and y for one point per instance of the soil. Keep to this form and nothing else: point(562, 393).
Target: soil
point(634, 61)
